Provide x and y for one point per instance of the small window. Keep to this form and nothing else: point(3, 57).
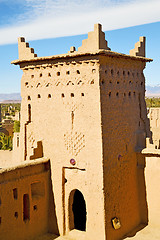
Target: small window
point(117, 82)
point(68, 72)
point(26, 83)
point(29, 98)
point(102, 82)
point(26, 207)
point(123, 73)
point(39, 96)
point(118, 73)
point(47, 85)
point(105, 71)
point(92, 82)
point(15, 193)
point(109, 94)
point(129, 94)
point(141, 83)
point(128, 73)
point(32, 76)
point(58, 73)
point(49, 95)
point(38, 84)
point(78, 72)
point(63, 95)
point(82, 94)
point(40, 74)
point(93, 70)
point(124, 94)
point(0, 220)
point(130, 82)
point(16, 214)
point(111, 71)
point(35, 207)
point(72, 94)
point(117, 94)
point(49, 74)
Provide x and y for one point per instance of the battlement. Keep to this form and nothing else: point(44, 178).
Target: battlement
point(139, 49)
point(25, 52)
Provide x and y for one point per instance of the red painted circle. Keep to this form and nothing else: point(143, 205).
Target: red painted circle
point(73, 161)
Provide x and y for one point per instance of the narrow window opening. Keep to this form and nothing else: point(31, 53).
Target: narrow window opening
point(40, 74)
point(109, 94)
point(68, 72)
point(17, 141)
point(26, 207)
point(49, 95)
point(93, 70)
point(15, 193)
point(117, 94)
point(78, 72)
point(118, 73)
point(47, 85)
point(35, 207)
point(124, 94)
point(82, 94)
point(32, 76)
point(123, 73)
point(141, 83)
point(49, 74)
point(16, 214)
point(58, 73)
point(29, 113)
point(29, 98)
point(72, 94)
point(129, 94)
point(63, 95)
point(117, 82)
point(38, 84)
point(128, 73)
point(130, 82)
point(0, 220)
point(111, 71)
point(39, 96)
point(26, 83)
point(105, 71)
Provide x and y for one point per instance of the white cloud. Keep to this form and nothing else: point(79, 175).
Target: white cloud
point(57, 18)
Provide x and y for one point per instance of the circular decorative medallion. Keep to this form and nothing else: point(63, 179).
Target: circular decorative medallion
point(73, 161)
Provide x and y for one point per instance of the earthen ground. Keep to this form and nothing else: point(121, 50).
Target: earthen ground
point(148, 233)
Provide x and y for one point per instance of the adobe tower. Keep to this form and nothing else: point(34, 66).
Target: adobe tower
point(85, 111)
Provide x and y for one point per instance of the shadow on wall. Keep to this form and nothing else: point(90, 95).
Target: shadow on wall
point(52, 218)
point(37, 152)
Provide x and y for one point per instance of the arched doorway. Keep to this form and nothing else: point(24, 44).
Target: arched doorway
point(79, 211)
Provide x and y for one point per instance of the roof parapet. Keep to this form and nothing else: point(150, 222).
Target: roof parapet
point(139, 49)
point(95, 41)
point(25, 52)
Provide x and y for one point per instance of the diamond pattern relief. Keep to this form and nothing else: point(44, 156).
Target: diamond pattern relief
point(74, 142)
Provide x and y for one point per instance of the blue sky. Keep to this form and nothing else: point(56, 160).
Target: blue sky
point(52, 26)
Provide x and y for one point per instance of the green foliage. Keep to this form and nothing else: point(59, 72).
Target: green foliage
point(153, 102)
point(16, 127)
point(5, 142)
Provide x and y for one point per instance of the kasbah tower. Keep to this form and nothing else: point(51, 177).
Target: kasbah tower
point(85, 111)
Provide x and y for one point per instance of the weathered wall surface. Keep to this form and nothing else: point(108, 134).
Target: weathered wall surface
point(154, 116)
point(61, 109)
point(26, 202)
point(6, 158)
point(124, 126)
point(153, 190)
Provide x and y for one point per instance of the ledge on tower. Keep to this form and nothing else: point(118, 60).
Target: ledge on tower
point(95, 41)
point(139, 49)
point(25, 52)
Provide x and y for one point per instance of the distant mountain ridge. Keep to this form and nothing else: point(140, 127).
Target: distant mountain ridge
point(153, 91)
point(10, 97)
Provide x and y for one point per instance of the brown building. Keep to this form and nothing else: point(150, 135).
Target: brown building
point(83, 115)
